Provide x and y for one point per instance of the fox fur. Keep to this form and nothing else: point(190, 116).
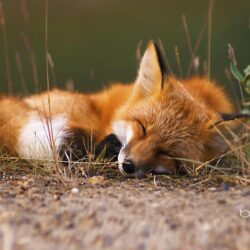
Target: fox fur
point(152, 121)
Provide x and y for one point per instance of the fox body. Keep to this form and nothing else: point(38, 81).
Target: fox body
point(154, 120)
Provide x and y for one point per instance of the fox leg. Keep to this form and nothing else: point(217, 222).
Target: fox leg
point(42, 138)
point(78, 144)
point(109, 148)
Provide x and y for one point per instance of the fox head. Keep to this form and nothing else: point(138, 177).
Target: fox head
point(163, 121)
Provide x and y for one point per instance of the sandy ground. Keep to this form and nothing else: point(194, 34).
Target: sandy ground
point(38, 213)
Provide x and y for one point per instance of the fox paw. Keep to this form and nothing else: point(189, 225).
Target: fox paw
point(75, 147)
point(108, 148)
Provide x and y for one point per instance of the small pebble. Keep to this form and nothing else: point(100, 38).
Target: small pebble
point(205, 227)
point(75, 190)
point(212, 189)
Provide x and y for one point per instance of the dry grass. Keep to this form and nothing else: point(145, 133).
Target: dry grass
point(233, 166)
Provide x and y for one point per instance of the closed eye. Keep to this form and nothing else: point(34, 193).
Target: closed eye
point(164, 153)
point(143, 127)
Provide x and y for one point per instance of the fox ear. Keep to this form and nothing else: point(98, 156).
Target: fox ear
point(152, 71)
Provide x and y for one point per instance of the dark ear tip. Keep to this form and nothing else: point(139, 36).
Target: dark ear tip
point(156, 46)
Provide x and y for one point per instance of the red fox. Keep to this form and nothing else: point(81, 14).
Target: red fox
point(146, 124)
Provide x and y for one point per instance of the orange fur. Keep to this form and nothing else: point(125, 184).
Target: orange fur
point(167, 117)
point(13, 115)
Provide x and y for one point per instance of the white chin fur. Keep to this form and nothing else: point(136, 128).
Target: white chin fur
point(123, 130)
point(121, 158)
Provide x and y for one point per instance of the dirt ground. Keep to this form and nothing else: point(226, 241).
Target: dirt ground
point(119, 213)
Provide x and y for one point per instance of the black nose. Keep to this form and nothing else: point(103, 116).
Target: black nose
point(128, 167)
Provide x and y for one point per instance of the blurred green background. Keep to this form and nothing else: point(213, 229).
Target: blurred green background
point(93, 42)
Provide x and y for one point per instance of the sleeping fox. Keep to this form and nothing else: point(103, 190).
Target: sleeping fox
point(149, 125)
